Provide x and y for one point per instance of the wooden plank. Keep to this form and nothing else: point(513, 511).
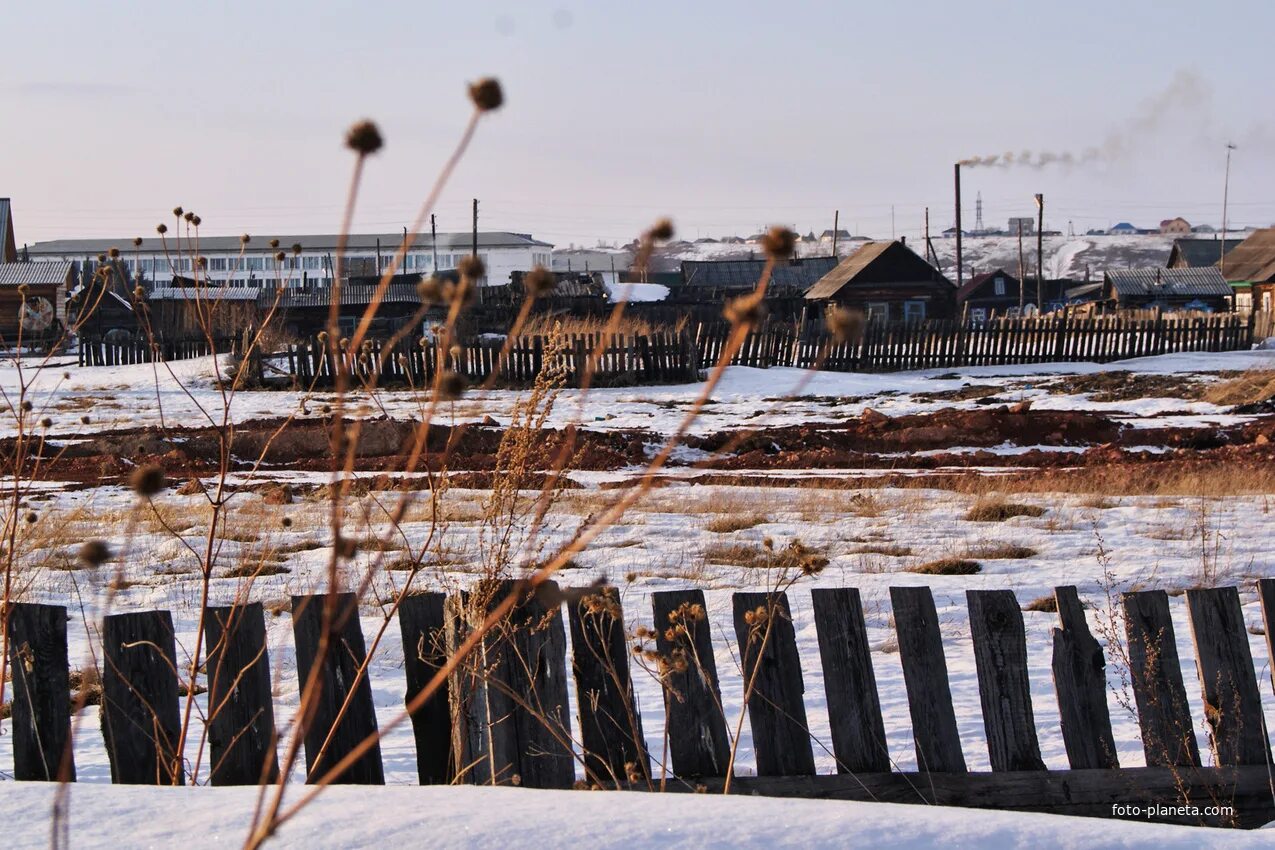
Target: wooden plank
point(1086, 793)
point(422, 623)
point(1168, 737)
point(519, 728)
point(937, 740)
point(610, 724)
point(696, 726)
point(241, 730)
point(1232, 703)
point(771, 664)
point(41, 700)
point(331, 735)
point(1266, 598)
point(1080, 680)
point(1000, 657)
point(141, 723)
point(849, 683)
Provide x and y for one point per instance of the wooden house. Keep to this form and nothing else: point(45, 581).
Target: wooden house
point(102, 303)
point(1252, 264)
point(1198, 253)
point(33, 301)
point(888, 281)
point(1169, 289)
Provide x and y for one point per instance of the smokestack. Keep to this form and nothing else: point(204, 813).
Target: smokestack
point(960, 267)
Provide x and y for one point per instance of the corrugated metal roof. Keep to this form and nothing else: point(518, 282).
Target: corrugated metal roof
point(203, 293)
point(1172, 282)
point(744, 274)
point(34, 274)
point(1253, 259)
point(1197, 253)
point(310, 243)
point(351, 293)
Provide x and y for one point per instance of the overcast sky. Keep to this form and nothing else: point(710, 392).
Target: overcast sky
point(726, 116)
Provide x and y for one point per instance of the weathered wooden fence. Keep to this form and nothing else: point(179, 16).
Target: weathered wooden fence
point(100, 352)
point(505, 719)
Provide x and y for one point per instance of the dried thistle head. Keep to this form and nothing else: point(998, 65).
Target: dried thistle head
point(844, 325)
point(114, 253)
point(94, 553)
point(147, 480)
point(746, 309)
point(161, 228)
point(274, 243)
point(137, 241)
point(429, 290)
point(471, 267)
point(779, 243)
point(190, 217)
point(245, 239)
point(364, 138)
point(661, 231)
point(539, 281)
point(178, 211)
point(486, 94)
point(281, 256)
point(296, 248)
point(451, 386)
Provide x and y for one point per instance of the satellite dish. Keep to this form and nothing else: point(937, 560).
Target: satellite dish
point(36, 314)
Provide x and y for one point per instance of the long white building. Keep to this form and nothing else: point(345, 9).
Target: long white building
point(231, 262)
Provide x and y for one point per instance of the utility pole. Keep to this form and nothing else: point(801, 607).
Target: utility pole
point(475, 245)
point(891, 222)
point(433, 240)
point(1226, 190)
point(836, 224)
point(1040, 251)
point(1022, 290)
point(960, 266)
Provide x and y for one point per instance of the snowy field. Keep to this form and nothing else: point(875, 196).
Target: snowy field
point(681, 535)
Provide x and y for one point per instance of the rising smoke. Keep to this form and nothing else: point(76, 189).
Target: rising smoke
point(1187, 93)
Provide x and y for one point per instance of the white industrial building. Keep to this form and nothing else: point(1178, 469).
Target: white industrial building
point(231, 262)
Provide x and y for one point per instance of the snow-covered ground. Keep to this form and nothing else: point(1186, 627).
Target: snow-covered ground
point(872, 539)
point(347, 817)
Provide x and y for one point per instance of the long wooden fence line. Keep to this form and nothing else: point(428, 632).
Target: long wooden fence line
point(657, 358)
point(504, 719)
point(95, 351)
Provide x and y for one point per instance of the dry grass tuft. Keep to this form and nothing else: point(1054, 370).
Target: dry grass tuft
point(948, 567)
point(1253, 387)
point(727, 524)
point(1048, 604)
point(256, 570)
point(1000, 551)
point(999, 510)
point(893, 550)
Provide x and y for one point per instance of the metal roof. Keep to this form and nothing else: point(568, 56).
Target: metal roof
point(1169, 282)
point(1253, 259)
point(901, 264)
point(260, 244)
point(314, 296)
point(34, 274)
point(799, 273)
point(1197, 253)
point(203, 293)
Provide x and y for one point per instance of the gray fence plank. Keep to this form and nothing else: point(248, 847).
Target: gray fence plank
point(422, 622)
point(141, 721)
point(241, 730)
point(771, 664)
point(1080, 680)
point(1232, 703)
point(854, 708)
point(41, 706)
point(696, 728)
point(938, 742)
point(1000, 656)
point(1168, 737)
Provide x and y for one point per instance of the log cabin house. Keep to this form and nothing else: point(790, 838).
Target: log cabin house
point(886, 281)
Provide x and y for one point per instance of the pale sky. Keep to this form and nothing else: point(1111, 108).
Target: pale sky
point(726, 116)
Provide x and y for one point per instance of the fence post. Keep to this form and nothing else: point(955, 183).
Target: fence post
point(41, 707)
point(327, 741)
point(422, 620)
point(241, 731)
point(1080, 680)
point(1168, 738)
point(938, 742)
point(696, 727)
point(141, 721)
point(854, 709)
point(610, 725)
point(772, 667)
point(1004, 687)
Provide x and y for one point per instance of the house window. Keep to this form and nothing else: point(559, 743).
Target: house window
point(978, 315)
point(914, 310)
point(878, 311)
point(999, 285)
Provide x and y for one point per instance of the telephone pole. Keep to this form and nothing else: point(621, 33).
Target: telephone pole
point(475, 243)
point(836, 225)
point(433, 239)
point(1040, 251)
point(1226, 190)
point(1022, 290)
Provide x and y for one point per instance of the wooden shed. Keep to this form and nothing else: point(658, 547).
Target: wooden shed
point(889, 281)
point(1169, 289)
point(33, 301)
point(1253, 262)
